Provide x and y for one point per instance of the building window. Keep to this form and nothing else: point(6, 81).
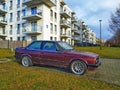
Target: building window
point(11, 17)
point(23, 12)
point(18, 28)
point(11, 28)
point(34, 26)
point(11, 38)
point(51, 13)
point(3, 30)
point(33, 38)
point(18, 38)
point(23, 27)
point(55, 29)
point(51, 27)
point(18, 15)
point(51, 38)
point(18, 3)
point(4, 6)
point(55, 38)
point(33, 10)
point(4, 18)
point(23, 38)
point(55, 15)
point(11, 5)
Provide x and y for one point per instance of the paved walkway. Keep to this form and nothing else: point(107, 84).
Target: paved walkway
point(109, 71)
point(4, 60)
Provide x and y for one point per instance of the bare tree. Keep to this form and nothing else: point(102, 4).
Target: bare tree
point(114, 25)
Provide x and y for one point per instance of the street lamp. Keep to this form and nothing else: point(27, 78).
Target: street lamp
point(100, 36)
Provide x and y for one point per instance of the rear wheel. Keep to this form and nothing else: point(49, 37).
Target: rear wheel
point(26, 61)
point(78, 67)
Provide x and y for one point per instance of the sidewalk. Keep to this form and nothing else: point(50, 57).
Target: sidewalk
point(4, 60)
point(109, 71)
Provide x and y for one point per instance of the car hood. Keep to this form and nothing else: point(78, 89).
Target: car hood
point(82, 53)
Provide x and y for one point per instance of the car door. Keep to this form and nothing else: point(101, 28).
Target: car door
point(34, 51)
point(50, 55)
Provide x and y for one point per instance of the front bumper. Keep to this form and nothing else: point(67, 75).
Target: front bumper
point(95, 65)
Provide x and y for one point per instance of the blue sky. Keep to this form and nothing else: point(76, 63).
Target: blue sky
point(91, 11)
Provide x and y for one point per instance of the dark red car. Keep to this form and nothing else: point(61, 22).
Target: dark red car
point(56, 53)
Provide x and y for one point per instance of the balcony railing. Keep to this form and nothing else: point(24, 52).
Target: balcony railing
point(74, 28)
point(65, 13)
point(62, 2)
point(3, 10)
point(49, 3)
point(74, 19)
point(77, 38)
point(2, 0)
point(77, 31)
point(3, 22)
point(3, 34)
point(65, 24)
point(35, 16)
point(37, 29)
point(65, 35)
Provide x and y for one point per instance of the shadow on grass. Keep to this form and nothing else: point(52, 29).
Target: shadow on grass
point(108, 71)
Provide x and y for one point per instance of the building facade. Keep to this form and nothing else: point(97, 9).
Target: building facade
point(39, 20)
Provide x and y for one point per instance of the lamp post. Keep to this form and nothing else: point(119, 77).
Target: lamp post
point(100, 36)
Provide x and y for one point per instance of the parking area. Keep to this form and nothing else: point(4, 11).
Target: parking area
point(109, 71)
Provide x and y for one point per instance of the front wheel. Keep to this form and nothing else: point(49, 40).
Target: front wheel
point(78, 67)
point(26, 61)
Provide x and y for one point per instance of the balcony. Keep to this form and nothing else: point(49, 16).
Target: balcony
point(2, 0)
point(36, 30)
point(65, 24)
point(65, 35)
point(3, 22)
point(62, 2)
point(73, 19)
point(76, 38)
point(65, 13)
point(31, 17)
point(77, 32)
point(49, 3)
point(3, 10)
point(3, 35)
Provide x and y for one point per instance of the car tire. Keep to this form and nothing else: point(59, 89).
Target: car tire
point(26, 61)
point(78, 67)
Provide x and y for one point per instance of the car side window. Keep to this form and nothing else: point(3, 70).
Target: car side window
point(49, 46)
point(34, 46)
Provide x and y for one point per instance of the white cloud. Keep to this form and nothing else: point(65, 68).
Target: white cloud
point(92, 10)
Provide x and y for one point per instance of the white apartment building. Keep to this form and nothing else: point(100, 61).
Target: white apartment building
point(88, 35)
point(91, 36)
point(40, 20)
point(35, 20)
point(76, 30)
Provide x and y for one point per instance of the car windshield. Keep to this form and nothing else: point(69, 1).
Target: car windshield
point(65, 46)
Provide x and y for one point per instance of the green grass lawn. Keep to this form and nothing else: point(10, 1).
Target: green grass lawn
point(6, 53)
point(13, 76)
point(106, 52)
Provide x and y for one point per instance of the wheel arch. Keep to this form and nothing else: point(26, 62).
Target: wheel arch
point(75, 59)
point(26, 55)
